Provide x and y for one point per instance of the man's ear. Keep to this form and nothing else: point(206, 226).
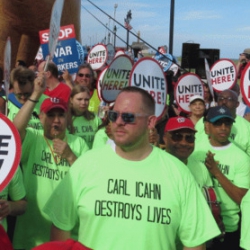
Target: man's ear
point(206, 127)
point(152, 121)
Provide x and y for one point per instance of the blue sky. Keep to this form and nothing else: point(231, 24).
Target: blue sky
point(214, 24)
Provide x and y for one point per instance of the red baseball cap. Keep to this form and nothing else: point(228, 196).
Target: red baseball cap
point(176, 123)
point(51, 103)
point(62, 245)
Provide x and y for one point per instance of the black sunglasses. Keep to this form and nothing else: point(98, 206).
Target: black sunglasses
point(126, 117)
point(82, 75)
point(177, 137)
point(25, 95)
point(219, 122)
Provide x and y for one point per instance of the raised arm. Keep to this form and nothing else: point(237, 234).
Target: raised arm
point(23, 116)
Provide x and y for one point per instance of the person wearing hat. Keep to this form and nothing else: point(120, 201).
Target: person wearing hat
point(46, 158)
point(242, 62)
point(240, 130)
point(179, 138)
point(229, 168)
point(197, 108)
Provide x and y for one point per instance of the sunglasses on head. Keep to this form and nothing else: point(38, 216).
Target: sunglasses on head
point(126, 117)
point(219, 122)
point(177, 137)
point(82, 75)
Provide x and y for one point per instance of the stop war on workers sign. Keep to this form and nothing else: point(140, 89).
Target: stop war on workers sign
point(66, 54)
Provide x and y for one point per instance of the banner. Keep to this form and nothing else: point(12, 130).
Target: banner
point(66, 55)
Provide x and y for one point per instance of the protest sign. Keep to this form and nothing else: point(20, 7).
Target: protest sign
point(147, 74)
point(111, 53)
point(99, 82)
point(10, 151)
point(119, 52)
point(188, 85)
point(223, 75)
point(66, 54)
point(115, 78)
point(98, 56)
point(245, 84)
point(165, 60)
point(54, 27)
point(208, 75)
point(7, 69)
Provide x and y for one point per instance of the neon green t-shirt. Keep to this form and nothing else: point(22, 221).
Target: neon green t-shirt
point(240, 133)
point(235, 165)
point(34, 121)
point(245, 222)
point(200, 172)
point(86, 128)
point(124, 204)
point(41, 176)
point(94, 102)
point(15, 190)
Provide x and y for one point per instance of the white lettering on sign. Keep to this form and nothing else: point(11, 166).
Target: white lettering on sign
point(63, 51)
point(65, 33)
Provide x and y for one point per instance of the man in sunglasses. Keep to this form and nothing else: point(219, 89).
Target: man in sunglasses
point(240, 131)
point(230, 171)
point(133, 196)
point(179, 138)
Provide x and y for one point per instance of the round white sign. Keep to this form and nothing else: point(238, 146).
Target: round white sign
point(223, 75)
point(116, 78)
point(188, 85)
point(147, 74)
point(97, 56)
point(10, 151)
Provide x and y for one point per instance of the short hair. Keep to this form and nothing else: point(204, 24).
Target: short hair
point(147, 99)
point(21, 63)
point(52, 68)
point(86, 66)
point(22, 76)
point(232, 93)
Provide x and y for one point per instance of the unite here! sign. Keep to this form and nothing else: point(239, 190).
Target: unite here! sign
point(66, 53)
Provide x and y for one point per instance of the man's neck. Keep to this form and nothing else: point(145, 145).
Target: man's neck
point(134, 154)
point(52, 84)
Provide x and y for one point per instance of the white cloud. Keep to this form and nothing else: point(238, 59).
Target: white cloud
point(198, 15)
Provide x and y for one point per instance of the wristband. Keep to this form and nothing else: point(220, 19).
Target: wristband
point(35, 101)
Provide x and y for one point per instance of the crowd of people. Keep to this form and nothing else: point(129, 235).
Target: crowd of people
point(126, 180)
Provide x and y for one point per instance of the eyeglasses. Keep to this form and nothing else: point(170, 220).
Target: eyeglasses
point(86, 75)
point(227, 99)
point(219, 122)
point(126, 117)
point(25, 95)
point(177, 137)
